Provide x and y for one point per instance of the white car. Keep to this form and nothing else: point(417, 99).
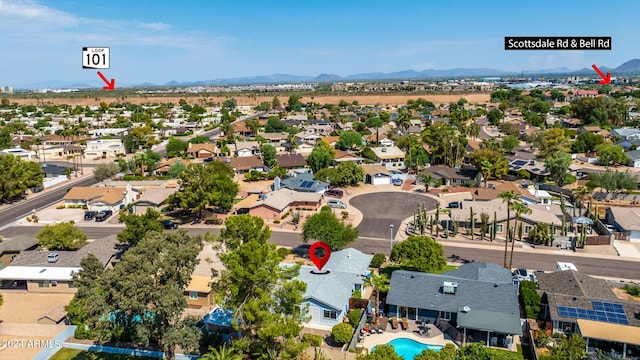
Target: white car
point(336, 204)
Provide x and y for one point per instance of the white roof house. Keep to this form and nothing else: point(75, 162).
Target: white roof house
point(38, 273)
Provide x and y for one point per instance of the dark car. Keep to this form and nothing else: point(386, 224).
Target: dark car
point(168, 224)
point(336, 193)
point(89, 215)
point(103, 215)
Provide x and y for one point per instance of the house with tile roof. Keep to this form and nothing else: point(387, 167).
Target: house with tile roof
point(481, 301)
point(291, 161)
point(279, 202)
point(152, 198)
point(98, 198)
point(389, 156)
point(244, 164)
point(245, 148)
point(203, 151)
point(328, 291)
point(549, 214)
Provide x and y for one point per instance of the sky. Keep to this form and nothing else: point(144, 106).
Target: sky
point(189, 40)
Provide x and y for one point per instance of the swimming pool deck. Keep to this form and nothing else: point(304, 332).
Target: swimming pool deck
point(435, 336)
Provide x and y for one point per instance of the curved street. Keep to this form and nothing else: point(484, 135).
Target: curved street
point(382, 209)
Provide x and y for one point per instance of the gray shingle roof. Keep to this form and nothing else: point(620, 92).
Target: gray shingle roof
point(104, 249)
point(346, 268)
point(490, 320)
point(483, 271)
point(294, 183)
point(422, 290)
point(18, 243)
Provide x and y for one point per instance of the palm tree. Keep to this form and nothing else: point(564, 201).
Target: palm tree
point(427, 179)
point(486, 167)
point(508, 197)
point(404, 120)
point(379, 283)
point(520, 208)
point(222, 353)
point(579, 195)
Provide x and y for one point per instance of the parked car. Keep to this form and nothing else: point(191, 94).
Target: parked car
point(523, 274)
point(336, 204)
point(168, 224)
point(336, 193)
point(89, 215)
point(103, 215)
point(53, 257)
point(396, 182)
point(454, 205)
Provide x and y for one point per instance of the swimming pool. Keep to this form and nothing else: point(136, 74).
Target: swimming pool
point(408, 348)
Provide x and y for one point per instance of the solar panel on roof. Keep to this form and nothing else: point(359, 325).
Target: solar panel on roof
point(535, 169)
point(306, 184)
point(519, 162)
point(603, 311)
point(517, 167)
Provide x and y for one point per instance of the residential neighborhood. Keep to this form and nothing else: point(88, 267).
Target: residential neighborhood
point(326, 181)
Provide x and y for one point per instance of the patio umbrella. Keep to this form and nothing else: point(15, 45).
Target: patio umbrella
point(582, 220)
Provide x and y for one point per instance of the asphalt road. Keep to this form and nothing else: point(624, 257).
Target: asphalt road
point(23, 208)
point(454, 251)
point(381, 209)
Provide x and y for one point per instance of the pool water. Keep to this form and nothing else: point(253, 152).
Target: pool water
point(408, 348)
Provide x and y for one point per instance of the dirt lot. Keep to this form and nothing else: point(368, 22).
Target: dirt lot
point(255, 100)
point(20, 307)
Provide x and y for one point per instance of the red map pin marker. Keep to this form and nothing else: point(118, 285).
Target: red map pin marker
point(321, 257)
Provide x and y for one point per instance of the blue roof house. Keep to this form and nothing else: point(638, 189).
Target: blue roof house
point(327, 295)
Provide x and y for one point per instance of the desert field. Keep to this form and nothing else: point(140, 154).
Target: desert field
point(252, 100)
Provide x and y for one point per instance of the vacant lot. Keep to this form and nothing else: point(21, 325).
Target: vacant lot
point(251, 100)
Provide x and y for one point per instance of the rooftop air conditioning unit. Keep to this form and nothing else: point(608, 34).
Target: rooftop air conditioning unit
point(449, 287)
point(384, 149)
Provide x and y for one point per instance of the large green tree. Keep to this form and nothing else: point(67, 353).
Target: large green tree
point(613, 181)
point(419, 253)
point(176, 147)
point(557, 164)
point(137, 226)
point(61, 236)
point(349, 140)
point(141, 300)
point(321, 156)
point(346, 173)
point(203, 185)
point(489, 163)
point(86, 281)
point(326, 227)
point(551, 141)
point(446, 144)
point(17, 176)
point(264, 296)
point(611, 154)
point(268, 153)
point(105, 170)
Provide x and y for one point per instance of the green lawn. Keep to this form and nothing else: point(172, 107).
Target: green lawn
point(71, 354)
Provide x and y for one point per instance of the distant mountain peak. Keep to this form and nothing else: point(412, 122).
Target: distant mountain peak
point(632, 65)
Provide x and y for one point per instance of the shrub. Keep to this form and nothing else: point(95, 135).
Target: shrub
point(283, 252)
point(530, 299)
point(345, 215)
point(354, 316)
point(213, 221)
point(357, 294)
point(342, 333)
point(276, 221)
point(312, 339)
point(633, 290)
point(377, 261)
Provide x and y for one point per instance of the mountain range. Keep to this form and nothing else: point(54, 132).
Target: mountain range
point(629, 67)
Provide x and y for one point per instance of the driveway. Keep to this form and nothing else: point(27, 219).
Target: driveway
point(381, 209)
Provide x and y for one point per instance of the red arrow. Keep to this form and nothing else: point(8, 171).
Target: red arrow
point(110, 85)
point(605, 79)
